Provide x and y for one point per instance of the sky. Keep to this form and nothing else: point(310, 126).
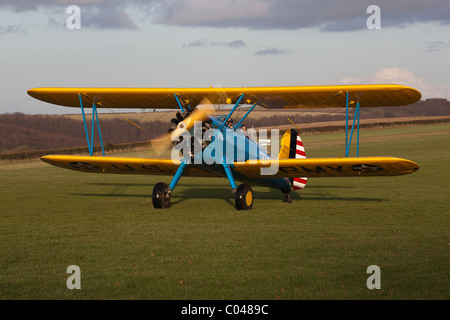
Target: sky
point(227, 43)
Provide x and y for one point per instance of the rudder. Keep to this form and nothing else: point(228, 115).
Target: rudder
point(292, 148)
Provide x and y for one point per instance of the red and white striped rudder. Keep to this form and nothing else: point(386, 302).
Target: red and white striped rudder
point(298, 152)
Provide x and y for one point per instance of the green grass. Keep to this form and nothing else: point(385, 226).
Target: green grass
point(317, 247)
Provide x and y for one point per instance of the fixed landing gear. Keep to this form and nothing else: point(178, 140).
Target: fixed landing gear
point(244, 197)
point(161, 196)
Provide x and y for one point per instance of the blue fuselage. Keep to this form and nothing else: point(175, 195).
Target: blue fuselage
point(228, 146)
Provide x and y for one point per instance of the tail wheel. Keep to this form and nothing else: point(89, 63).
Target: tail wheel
point(244, 197)
point(161, 196)
point(287, 198)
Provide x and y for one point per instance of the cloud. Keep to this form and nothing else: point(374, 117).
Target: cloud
point(32, 5)
point(351, 80)
point(436, 46)
point(345, 15)
point(399, 76)
point(203, 43)
point(99, 14)
point(402, 76)
point(236, 44)
point(269, 52)
point(11, 29)
point(107, 17)
point(324, 15)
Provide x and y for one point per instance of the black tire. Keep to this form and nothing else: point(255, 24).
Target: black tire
point(161, 196)
point(244, 197)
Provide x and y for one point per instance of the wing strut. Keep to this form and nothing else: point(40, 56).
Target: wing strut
point(225, 165)
point(348, 140)
point(94, 117)
point(180, 104)
point(231, 112)
point(245, 116)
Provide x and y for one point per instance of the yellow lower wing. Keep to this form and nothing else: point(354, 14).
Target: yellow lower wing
point(123, 165)
point(326, 167)
point(276, 168)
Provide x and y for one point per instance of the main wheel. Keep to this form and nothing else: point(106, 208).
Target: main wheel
point(244, 197)
point(161, 196)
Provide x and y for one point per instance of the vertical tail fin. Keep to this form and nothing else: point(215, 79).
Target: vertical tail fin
point(292, 147)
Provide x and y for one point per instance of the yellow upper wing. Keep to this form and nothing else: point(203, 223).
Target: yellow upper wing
point(268, 97)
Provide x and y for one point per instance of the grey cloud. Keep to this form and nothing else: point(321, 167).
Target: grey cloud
point(11, 29)
point(30, 5)
point(342, 26)
point(437, 46)
point(99, 14)
point(18, 6)
point(236, 44)
point(269, 52)
point(344, 15)
point(107, 18)
point(203, 43)
point(324, 15)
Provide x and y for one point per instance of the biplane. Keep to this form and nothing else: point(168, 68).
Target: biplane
point(210, 154)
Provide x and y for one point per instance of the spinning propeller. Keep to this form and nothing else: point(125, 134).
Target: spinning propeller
point(183, 124)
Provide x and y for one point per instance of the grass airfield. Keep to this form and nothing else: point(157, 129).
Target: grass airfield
point(317, 247)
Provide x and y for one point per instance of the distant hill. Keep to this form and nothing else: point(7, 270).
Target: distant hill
point(429, 107)
point(20, 132)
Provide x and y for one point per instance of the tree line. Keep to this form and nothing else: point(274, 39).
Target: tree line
point(20, 132)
